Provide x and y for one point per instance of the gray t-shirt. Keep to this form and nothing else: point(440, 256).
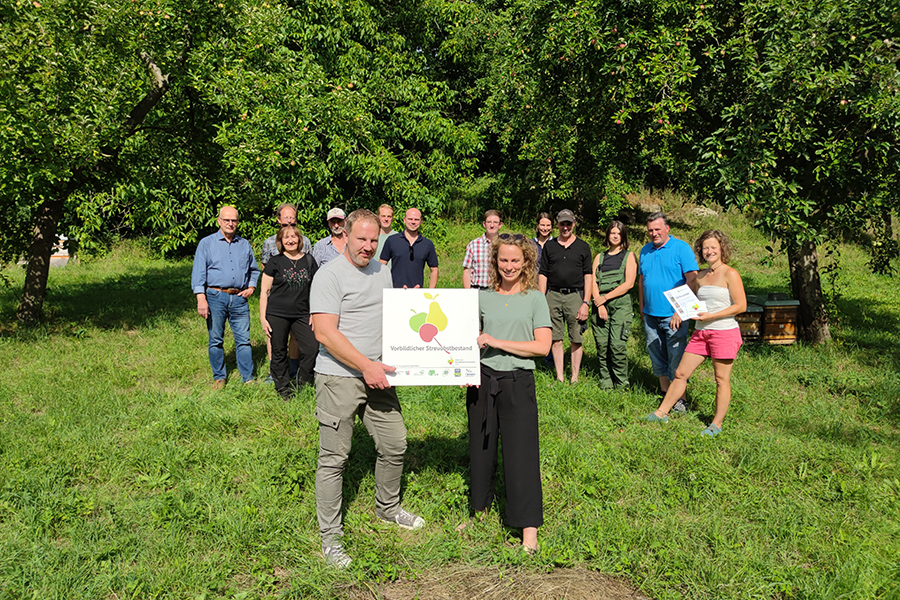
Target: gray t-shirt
point(355, 295)
point(515, 318)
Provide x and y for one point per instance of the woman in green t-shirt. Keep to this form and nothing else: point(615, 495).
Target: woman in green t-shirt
point(515, 328)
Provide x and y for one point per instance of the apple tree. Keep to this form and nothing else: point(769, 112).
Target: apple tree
point(800, 100)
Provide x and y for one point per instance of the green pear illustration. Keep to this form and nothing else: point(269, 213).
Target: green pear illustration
point(435, 315)
point(417, 320)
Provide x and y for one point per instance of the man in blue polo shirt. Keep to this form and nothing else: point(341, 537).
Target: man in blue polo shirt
point(223, 278)
point(409, 253)
point(665, 263)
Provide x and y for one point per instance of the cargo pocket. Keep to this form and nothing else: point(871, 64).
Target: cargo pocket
point(330, 434)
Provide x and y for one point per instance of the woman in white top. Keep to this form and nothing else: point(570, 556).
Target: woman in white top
point(717, 333)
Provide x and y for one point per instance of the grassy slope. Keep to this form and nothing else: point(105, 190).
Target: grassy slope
point(123, 475)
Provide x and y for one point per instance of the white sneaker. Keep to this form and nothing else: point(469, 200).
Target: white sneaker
point(335, 555)
point(406, 520)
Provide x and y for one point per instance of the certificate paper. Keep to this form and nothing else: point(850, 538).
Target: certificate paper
point(430, 336)
point(685, 302)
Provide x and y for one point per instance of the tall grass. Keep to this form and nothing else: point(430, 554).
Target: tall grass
point(122, 474)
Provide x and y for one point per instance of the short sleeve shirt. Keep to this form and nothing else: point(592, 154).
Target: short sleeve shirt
point(662, 269)
point(291, 281)
point(324, 251)
point(355, 295)
point(403, 270)
point(477, 259)
point(513, 317)
point(565, 267)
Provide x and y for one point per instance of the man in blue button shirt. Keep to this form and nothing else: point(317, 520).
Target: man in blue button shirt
point(223, 278)
point(408, 254)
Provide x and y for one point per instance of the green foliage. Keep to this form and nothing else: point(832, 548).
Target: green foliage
point(802, 101)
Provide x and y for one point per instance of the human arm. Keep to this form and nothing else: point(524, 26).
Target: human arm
point(325, 326)
point(542, 283)
point(738, 298)
point(584, 311)
point(690, 279)
point(254, 276)
point(467, 278)
point(198, 279)
point(433, 277)
point(264, 289)
point(202, 305)
point(540, 346)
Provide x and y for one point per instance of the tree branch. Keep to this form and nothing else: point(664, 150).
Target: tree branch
point(143, 108)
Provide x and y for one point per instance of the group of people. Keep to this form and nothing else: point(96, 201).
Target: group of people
point(532, 291)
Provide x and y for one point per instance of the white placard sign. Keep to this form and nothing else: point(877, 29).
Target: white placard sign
point(430, 336)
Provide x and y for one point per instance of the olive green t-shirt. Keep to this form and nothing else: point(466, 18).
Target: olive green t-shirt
point(515, 318)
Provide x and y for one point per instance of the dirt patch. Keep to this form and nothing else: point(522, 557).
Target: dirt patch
point(494, 583)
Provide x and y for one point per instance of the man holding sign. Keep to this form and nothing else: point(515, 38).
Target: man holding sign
point(665, 263)
point(346, 306)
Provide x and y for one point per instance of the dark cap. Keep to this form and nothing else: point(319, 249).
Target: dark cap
point(565, 215)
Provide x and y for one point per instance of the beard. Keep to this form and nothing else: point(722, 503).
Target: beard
point(337, 230)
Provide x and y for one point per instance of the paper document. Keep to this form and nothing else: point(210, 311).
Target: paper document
point(685, 302)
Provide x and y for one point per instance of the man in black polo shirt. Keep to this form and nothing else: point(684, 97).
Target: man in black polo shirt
point(565, 277)
point(408, 253)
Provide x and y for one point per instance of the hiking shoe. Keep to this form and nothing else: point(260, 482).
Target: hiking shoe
point(680, 407)
point(269, 380)
point(654, 419)
point(711, 431)
point(335, 555)
point(406, 520)
point(218, 384)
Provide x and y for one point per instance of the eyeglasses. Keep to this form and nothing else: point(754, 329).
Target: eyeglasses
point(228, 220)
point(412, 254)
point(283, 225)
point(511, 236)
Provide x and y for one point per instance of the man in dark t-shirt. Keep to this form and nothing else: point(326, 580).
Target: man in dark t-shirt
point(408, 254)
point(565, 277)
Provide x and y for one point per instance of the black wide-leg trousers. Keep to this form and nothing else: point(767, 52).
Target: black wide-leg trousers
point(505, 407)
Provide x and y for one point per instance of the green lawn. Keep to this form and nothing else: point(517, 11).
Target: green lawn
point(123, 475)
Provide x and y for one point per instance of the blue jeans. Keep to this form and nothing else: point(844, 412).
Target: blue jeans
point(665, 345)
point(236, 310)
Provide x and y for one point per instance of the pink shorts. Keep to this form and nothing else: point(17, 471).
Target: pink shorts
point(721, 344)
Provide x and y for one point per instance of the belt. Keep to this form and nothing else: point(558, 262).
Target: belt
point(231, 291)
point(479, 287)
point(567, 290)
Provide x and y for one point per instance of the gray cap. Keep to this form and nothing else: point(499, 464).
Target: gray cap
point(565, 215)
point(335, 213)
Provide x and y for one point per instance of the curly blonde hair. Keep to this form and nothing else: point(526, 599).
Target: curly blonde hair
point(528, 276)
point(724, 244)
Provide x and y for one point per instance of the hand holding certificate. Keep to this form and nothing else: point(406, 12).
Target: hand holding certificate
point(685, 302)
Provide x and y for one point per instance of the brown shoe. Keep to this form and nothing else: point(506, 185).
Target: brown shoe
point(218, 384)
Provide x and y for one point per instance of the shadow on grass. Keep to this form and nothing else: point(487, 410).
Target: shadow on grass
point(444, 455)
point(122, 301)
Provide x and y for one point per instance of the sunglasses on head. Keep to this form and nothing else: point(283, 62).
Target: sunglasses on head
point(511, 236)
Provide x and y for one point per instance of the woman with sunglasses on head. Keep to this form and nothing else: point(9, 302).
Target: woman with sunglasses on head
point(717, 334)
point(284, 309)
point(515, 329)
point(614, 274)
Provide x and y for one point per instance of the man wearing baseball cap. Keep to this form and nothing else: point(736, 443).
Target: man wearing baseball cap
point(332, 246)
point(565, 277)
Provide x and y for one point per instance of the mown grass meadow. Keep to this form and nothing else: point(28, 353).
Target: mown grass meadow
point(123, 475)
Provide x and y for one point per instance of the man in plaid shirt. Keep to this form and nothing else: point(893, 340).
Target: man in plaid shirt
point(475, 265)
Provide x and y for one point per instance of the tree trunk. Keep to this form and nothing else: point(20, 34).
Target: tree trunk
point(807, 288)
point(49, 214)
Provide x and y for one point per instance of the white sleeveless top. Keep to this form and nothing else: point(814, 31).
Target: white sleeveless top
point(717, 298)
